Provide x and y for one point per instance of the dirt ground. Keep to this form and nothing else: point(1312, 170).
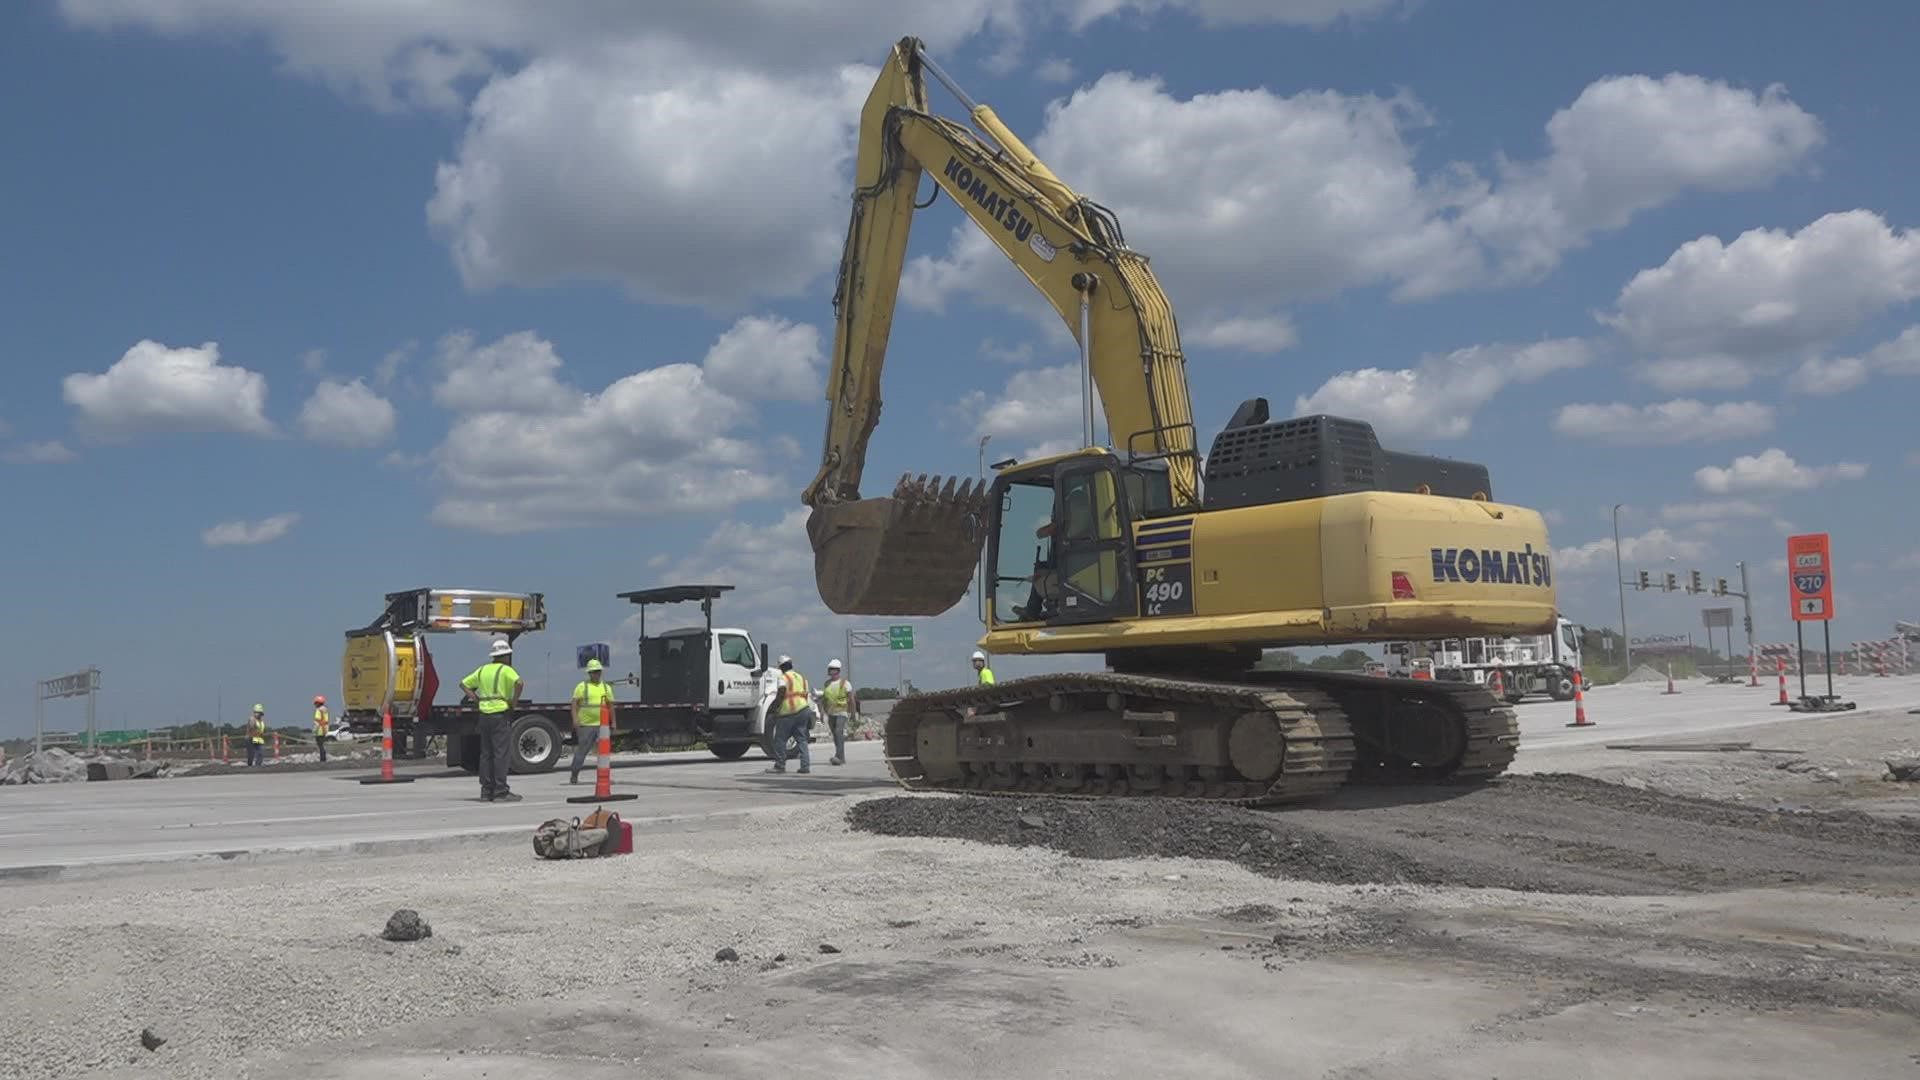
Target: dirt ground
point(1548, 925)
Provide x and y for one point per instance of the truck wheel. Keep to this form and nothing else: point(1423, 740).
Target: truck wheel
point(536, 745)
point(463, 752)
point(730, 751)
point(1560, 686)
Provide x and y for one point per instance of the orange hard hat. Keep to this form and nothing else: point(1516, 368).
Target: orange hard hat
point(319, 699)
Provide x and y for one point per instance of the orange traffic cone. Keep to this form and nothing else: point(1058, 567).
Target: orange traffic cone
point(1497, 684)
point(1780, 665)
point(1670, 689)
point(386, 754)
point(1579, 704)
point(603, 764)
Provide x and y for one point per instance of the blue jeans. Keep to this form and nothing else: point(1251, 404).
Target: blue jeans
point(837, 724)
point(256, 753)
point(792, 726)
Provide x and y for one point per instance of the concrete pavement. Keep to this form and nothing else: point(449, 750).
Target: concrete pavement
point(258, 814)
point(266, 811)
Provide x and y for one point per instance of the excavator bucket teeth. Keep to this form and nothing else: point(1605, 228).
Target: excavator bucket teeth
point(912, 553)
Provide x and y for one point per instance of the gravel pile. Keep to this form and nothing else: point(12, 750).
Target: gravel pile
point(1132, 828)
point(1545, 833)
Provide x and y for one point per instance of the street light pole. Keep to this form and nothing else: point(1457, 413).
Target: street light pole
point(1620, 579)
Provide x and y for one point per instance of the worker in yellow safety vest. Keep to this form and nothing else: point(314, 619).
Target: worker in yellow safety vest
point(589, 698)
point(322, 724)
point(841, 704)
point(793, 712)
point(496, 687)
point(257, 736)
point(980, 668)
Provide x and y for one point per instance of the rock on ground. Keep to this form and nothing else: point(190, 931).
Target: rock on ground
point(406, 925)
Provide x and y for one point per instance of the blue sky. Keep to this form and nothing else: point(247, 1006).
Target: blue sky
point(308, 308)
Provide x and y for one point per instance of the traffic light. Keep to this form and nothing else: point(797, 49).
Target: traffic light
point(1644, 583)
point(1719, 586)
point(1672, 584)
point(1693, 582)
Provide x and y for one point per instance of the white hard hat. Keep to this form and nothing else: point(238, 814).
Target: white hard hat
point(500, 647)
point(786, 659)
point(978, 655)
point(833, 663)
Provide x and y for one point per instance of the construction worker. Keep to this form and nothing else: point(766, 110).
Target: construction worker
point(842, 704)
point(795, 715)
point(981, 669)
point(588, 699)
point(257, 736)
point(322, 723)
point(496, 686)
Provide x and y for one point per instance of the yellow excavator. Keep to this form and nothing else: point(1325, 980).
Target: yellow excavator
point(1295, 532)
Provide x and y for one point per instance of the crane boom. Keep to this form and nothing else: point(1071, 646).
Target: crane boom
point(914, 553)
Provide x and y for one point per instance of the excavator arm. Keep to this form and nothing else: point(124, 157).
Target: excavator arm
point(914, 553)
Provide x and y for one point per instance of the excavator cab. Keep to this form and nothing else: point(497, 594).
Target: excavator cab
point(1061, 539)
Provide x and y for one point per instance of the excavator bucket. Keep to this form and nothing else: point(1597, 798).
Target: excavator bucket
point(911, 554)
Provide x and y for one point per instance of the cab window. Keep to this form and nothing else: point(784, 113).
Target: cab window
point(736, 649)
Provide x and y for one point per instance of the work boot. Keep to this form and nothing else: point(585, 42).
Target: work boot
point(835, 761)
point(804, 772)
point(574, 779)
point(508, 797)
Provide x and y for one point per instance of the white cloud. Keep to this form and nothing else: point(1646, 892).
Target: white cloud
point(1716, 313)
point(426, 53)
point(1019, 355)
point(347, 414)
point(771, 567)
point(644, 168)
point(526, 451)
point(1816, 375)
point(769, 357)
point(1054, 69)
point(388, 369)
point(267, 530)
point(1908, 561)
point(515, 372)
point(1654, 544)
point(1715, 511)
point(1900, 356)
point(1040, 407)
point(1664, 423)
point(40, 453)
point(1254, 201)
point(314, 361)
point(1260, 334)
point(1310, 13)
point(1630, 143)
point(396, 459)
point(1437, 398)
point(1772, 470)
point(155, 389)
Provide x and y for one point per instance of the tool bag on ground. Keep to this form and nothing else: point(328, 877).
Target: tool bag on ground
point(561, 838)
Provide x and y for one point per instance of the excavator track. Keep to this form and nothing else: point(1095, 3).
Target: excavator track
point(1263, 739)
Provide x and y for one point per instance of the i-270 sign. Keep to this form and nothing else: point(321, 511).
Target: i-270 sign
point(1810, 576)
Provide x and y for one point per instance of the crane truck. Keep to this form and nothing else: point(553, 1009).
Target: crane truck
point(1302, 531)
point(1528, 664)
point(697, 684)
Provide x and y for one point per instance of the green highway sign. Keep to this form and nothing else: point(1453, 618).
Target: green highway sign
point(899, 637)
point(116, 737)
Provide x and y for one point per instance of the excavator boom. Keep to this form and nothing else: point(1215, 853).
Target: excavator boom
point(913, 553)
